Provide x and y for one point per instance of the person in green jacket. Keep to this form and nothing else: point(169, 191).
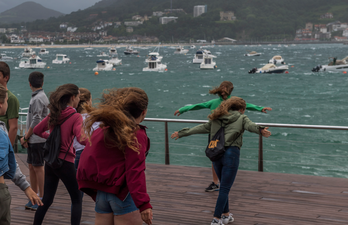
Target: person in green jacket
point(224, 92)
point(231, 114)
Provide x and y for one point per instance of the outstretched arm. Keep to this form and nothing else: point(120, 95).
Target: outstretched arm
point(203, 105)
point(264, 109)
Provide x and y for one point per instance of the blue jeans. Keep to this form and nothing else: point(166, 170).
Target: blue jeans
point(76, 164)
point(226, 169)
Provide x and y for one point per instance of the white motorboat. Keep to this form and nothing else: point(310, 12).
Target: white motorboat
point(270, 68)
point(103, 65)
point(192, 47)
point(130, 51)
point(180, 50)
point(88, 48)
point(28, 52)
point(103, 54)
point(253, 53)
point(5, 58)
point(208, 62)
point(154, 65)
point(61, 59)
point(112, 51)
point(277, 59)
point(333, 66)
point(43, 51)
point(33, 62)
point(115, 61)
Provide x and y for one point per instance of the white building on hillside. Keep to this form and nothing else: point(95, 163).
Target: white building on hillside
point(199, 10)
point(345, 33)
point(2, 30)
point(165, 20)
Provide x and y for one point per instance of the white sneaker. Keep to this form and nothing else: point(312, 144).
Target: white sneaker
point(216, 222)
point(227, 219)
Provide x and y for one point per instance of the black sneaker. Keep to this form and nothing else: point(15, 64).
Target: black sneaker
point(212, 187)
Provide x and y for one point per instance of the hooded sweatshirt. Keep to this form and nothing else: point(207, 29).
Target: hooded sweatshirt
point(235, 124)
point(70, 128)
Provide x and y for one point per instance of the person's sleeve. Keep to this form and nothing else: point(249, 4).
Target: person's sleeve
point(203, 105)
point(13, 108)
point(253, 107)
point(77, 130)
point(135, 174)
point(20, 179)
point(36, 109)
point(200, 129)
point(250, 126)
point(41, 128)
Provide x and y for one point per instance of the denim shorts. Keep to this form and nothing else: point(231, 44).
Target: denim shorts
point(109, 203)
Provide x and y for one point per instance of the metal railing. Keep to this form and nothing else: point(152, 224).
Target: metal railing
point(260, 156)
point(260, 152)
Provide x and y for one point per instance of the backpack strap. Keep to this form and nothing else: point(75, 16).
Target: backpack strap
point(66, 118)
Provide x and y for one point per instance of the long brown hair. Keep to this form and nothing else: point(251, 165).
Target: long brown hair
point(85, 97)
point(218, 90)
point(59, 99)
point(233, 103)
point(117, 111)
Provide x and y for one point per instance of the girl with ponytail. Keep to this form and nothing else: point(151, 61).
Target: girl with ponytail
point(63, 102)
point(112, 166)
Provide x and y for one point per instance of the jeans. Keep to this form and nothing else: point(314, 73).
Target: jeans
point(226, 169)
point(76, 164)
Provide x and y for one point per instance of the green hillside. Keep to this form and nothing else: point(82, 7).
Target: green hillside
point(27, 12)
point(256, 19)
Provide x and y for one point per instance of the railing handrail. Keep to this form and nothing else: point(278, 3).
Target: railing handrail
point(260, 158)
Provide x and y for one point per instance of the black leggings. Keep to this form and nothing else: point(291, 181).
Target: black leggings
point(67, 173)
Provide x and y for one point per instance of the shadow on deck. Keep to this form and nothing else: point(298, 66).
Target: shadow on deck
point(178, 197)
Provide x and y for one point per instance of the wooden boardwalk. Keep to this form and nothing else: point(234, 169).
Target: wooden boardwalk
point(178, 197)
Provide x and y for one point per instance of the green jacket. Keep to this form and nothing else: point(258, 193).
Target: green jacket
point(235, 125)
point(213, 104)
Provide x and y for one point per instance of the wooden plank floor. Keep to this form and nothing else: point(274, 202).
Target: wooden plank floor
point(178, 197)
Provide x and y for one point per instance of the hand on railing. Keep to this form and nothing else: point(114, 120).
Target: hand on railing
point(175, 135)
point(177, 113)
point(265, 132)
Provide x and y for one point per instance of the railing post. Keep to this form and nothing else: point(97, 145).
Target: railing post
point(260, 154)
point(166, 143)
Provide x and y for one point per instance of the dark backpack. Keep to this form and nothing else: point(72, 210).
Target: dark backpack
point(52, 147)
point(216, 147)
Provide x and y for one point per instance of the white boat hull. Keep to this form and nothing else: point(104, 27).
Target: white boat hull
point(279, 69)
point(32, 66)
point(275, 62)
point(108, 67)
point(60, 61)
point(197, 61)
point(207, 66)
point(256, 54)
point(159, 68)
point(335, 68)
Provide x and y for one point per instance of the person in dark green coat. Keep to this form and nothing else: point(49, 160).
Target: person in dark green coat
point(231, 114)
point(224, 92)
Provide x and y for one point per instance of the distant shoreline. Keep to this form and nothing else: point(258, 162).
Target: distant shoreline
point(166, 44)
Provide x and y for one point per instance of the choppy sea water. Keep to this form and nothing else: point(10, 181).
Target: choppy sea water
point(299, 97)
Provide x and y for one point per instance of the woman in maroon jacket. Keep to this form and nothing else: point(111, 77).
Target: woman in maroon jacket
point(62, 106)
point(112, 165)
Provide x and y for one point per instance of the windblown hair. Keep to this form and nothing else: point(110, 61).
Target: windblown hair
point(233, 103)
point(3, 93)
point(59, 99)
point(117, 112)
point(85, 97)
point(5, 70)
point(218, 90)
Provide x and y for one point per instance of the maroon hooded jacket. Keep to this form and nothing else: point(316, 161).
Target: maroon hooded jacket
point(112, 171)
point(70, 128)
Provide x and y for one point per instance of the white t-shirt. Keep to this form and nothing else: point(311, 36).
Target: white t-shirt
point(77, 145)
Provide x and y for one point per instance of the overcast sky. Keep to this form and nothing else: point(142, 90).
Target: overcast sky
point(63, 6)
